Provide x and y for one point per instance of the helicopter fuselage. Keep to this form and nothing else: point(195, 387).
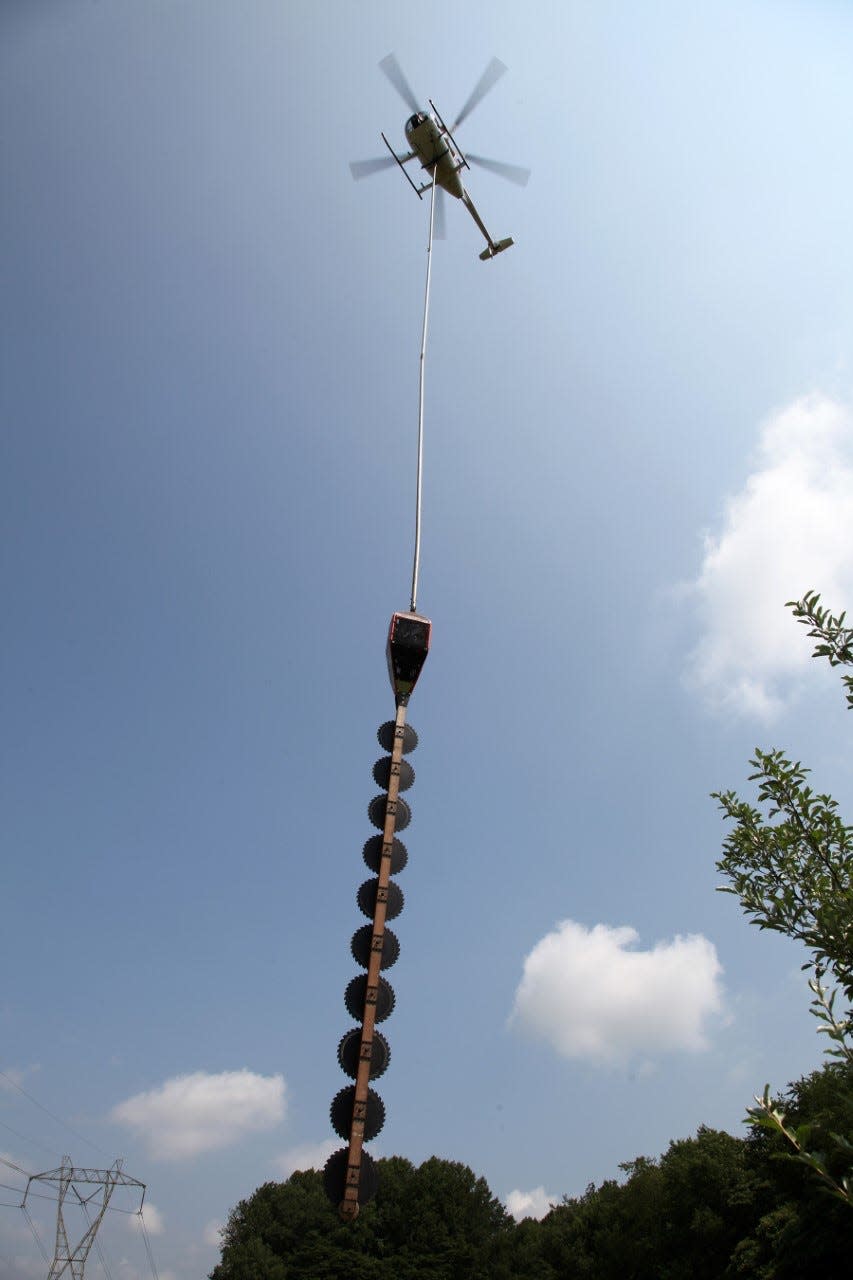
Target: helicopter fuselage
point(432, 146)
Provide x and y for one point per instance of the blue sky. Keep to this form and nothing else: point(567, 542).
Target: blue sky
point(639, 444)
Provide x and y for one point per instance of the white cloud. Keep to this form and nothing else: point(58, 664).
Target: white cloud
point(201, 1112)
point(591, 996)
point(310, 1155)
point(212, 1233)
point(152, 1217)
point(788, 530)
point(530, 1204)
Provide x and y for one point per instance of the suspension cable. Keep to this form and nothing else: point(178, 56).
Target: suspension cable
point(417, 558)
point(36, 1235)
point(58, 1119)
point(148, 1249)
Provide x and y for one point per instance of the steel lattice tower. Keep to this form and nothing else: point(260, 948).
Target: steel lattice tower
point(68, 1260)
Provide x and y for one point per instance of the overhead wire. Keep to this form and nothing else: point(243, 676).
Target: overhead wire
point(36, 1235)
point(148, 1249)
point(11, 1165)
point(33, 1141)
point(58, 1119)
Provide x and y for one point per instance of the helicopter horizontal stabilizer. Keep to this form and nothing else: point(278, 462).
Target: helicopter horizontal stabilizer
point(492, 249)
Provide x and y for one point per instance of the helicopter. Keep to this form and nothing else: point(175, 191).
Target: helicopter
point(432, 142)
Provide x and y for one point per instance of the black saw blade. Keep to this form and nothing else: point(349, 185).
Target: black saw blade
point(373, 855)
point(366, 899)
point(382, 773)
point(376, 813)
point(335, 1176)
point(362, 945)
point(357, 990)
point(349, 1051)
point(340, 1113)
point(385, 735)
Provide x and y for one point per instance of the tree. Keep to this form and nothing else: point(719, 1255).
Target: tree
point(792, 869)
point(435, 1222)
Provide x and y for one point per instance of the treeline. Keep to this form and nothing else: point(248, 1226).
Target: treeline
point(711, 1206)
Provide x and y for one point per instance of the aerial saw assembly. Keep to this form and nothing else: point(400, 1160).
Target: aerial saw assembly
point(357, 1111)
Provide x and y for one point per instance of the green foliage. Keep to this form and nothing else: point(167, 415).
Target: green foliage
point(711, 1206)
point(835, 640)
point(792, 869)
point(439, 1220)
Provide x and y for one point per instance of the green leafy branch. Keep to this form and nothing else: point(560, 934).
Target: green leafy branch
point(835, 640)
point(792, 869)
point(767, 1115)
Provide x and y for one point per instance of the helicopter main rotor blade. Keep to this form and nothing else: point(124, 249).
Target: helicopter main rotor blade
point(513, 172)
point(488, 79)
point(392, 69)
point(364, 168)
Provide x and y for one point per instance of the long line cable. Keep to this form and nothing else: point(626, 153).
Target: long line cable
point(58, 1120)
point(16, 1167)
point(33, 1141)
point(148, 1249)
point(417, 558)
point(36, 1235)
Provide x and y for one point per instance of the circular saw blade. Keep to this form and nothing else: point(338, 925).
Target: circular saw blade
point(385, 736)
point(373, 855)
point(376, 813)
point(382, 773)
point(349, 1051)
point(367, 895)
point(340, 1113)
point(362, 945)
point(355, 994)
point(335, 1176)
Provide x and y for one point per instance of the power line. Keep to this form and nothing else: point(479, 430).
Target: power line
point(33, 1141)
point(36, 1235)
point(148, 1247)
point(58, 1119)
point(16, 1167)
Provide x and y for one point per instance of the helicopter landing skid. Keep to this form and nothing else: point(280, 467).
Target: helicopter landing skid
point(492, 249)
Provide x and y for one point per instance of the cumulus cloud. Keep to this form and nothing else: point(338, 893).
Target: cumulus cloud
point(310, 1155)
point(788, 530)
point(530, 1204)
point(202, 1112)
point(591, 994)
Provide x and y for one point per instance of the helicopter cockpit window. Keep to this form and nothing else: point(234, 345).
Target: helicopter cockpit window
point(414, 121)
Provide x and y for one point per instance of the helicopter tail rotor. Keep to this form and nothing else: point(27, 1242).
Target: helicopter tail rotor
point(497, 247)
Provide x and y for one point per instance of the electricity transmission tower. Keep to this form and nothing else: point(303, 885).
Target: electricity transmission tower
point(68, 1182)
